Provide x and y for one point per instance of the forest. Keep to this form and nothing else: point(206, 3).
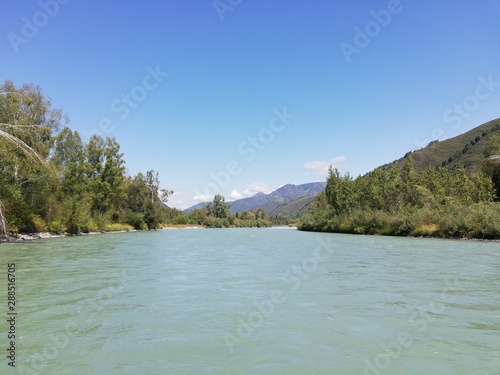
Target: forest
point(436, 202)
point(53, 181)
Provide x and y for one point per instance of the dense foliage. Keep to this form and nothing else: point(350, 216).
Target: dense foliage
point(51, 180)
point(436, 202)
point(216, 215)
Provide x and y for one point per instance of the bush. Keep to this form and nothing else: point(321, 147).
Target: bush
point(40, 225)
point(72, 228)
point(56, 227)
point(181, 219)
point(117, 227)
point(425, 230)
point(89, 226)
point(135, 219)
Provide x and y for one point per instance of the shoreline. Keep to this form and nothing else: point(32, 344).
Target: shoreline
point(21, 237)
point(408, 236)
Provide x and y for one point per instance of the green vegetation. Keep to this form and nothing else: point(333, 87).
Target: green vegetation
point(468, 150)
point(53, 181)
point(295, 208)
point(439, 202)
point(216, 215)
point(50, 180)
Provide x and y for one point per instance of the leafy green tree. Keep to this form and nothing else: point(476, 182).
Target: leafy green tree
point(151, 217)
point(27, 122)
point(339, 192)
point(105, 170)
point(114, 172)
point(29, 116)
point(463, 187)
point(260, 214)
point(492, 164)
point(218, 208)
point(99, 190)
point(68, 158)
point(408, 183)
point(137, 192)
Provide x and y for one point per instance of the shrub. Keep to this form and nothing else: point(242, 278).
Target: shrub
point(56, 227)
point(135, 219)
point(89, 226)
point(181, 219)
point(40, 225)
point(117, 227)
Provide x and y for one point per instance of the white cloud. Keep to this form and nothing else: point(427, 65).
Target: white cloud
point(201, 198)
point(251, 190)
point(320, 167)
point(235, 195)
point(180, 200)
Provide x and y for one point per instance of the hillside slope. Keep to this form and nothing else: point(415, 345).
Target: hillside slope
point(468, 149)
point(294, 208)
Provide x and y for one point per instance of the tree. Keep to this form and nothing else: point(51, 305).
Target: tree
point(409, 182)
point(29, 116)
point(165, 193)
point(114, 172)
point(492, 164)
point(151, 217)
point(105, 170)
point(137, 192)
point(27, 122)
point(339, 193)
point(52, 180)
point(218, 208)
point(68, 158)
point(153, 182)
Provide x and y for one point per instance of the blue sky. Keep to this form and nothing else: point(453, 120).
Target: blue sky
point(239, 96)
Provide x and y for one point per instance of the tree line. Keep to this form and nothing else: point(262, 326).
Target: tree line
point(438, 202)
point(51, 180)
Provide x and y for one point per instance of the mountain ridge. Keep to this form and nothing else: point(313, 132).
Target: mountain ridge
point(467, 149)
point(271, 201)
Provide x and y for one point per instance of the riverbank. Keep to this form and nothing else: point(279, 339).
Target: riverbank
point(44, 235)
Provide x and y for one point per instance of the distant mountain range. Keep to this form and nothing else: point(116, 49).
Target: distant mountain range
point(272, 202)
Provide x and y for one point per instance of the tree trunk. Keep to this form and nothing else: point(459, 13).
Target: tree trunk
point(4, 235)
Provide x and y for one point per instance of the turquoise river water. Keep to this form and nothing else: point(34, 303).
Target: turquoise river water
point(251, 301)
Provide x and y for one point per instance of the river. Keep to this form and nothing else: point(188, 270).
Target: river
point(253, 301)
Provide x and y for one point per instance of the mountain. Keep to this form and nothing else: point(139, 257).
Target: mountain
point(272, 201)
point(468, 149)
point(294, 208)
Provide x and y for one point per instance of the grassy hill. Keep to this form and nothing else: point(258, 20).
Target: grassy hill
point(468, 149)
point(295, 208)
